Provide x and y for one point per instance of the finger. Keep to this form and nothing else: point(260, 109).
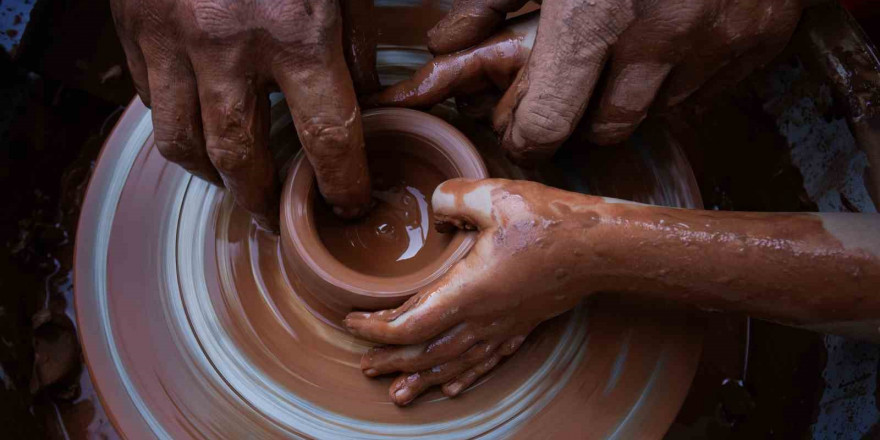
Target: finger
point(466, 203)
point(424, 316)
point(134, 57)
point(462, 382)
point(324, 109)
point(466, 379)
point(550, 96)
point(359, 35)
point(630, 90)
point(408, 386)
point(177, 122)
point(235, 112)
point(511, 345)
point(468, 23)
point(493, 63)
point(433, 83)
point(413, 358)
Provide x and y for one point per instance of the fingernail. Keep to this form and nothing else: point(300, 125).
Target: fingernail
point(371, 372)
point(453, 390)
point(401, 397)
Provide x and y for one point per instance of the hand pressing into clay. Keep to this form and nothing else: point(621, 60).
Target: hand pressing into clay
point(520, 272)
point(205, 67)
point(540, 250)
point(651, 52)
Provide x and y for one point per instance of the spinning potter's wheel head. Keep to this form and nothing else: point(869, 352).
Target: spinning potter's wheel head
point(191, 329)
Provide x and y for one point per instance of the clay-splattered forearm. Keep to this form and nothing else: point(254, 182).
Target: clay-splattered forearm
point(803, 269)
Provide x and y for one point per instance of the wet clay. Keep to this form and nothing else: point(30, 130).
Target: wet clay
point(397, 138)
point(245, 354)
point(397, 236)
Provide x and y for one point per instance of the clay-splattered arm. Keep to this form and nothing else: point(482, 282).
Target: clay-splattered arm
point(541, 250)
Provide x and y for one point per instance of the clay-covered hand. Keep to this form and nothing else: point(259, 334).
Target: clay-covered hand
point(205, 67)
point(524, 268)
point(648, 52)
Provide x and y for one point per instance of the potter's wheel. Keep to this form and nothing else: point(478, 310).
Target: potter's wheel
point(191, 329)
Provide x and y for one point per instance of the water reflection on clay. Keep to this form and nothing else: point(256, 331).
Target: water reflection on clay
point(397, 236)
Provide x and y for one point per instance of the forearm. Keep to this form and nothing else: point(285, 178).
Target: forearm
point(802, 269)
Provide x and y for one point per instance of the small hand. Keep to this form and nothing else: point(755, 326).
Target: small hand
point(526, 267)
point(205, 67)
point(652, 53)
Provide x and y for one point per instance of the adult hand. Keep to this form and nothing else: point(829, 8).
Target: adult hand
point(527, 266)
point(205, 67)
point(651, 52)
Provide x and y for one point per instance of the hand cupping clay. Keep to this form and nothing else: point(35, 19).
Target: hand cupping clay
point(541, 250)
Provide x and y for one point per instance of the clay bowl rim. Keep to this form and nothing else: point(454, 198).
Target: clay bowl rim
point(298, 208)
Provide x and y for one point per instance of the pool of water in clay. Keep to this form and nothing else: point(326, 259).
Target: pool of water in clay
point(397, 236)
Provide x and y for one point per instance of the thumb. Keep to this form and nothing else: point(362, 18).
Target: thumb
point(465, 203)
point(468, 23)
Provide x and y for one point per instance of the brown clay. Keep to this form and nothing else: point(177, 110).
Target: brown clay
point(192, 327)
point(397, 235)
point(351, 264)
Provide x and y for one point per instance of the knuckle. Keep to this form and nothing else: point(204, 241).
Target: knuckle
point(329, 141)
point(228, 160)
point(548, 121)
point(595, 25)
point(230, 148)
point(675, 18)
point(174, 150)
point(175, 142)
point(213, 19)
point(307, 24)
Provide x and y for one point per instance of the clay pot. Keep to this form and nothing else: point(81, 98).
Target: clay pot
point(326, 278)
